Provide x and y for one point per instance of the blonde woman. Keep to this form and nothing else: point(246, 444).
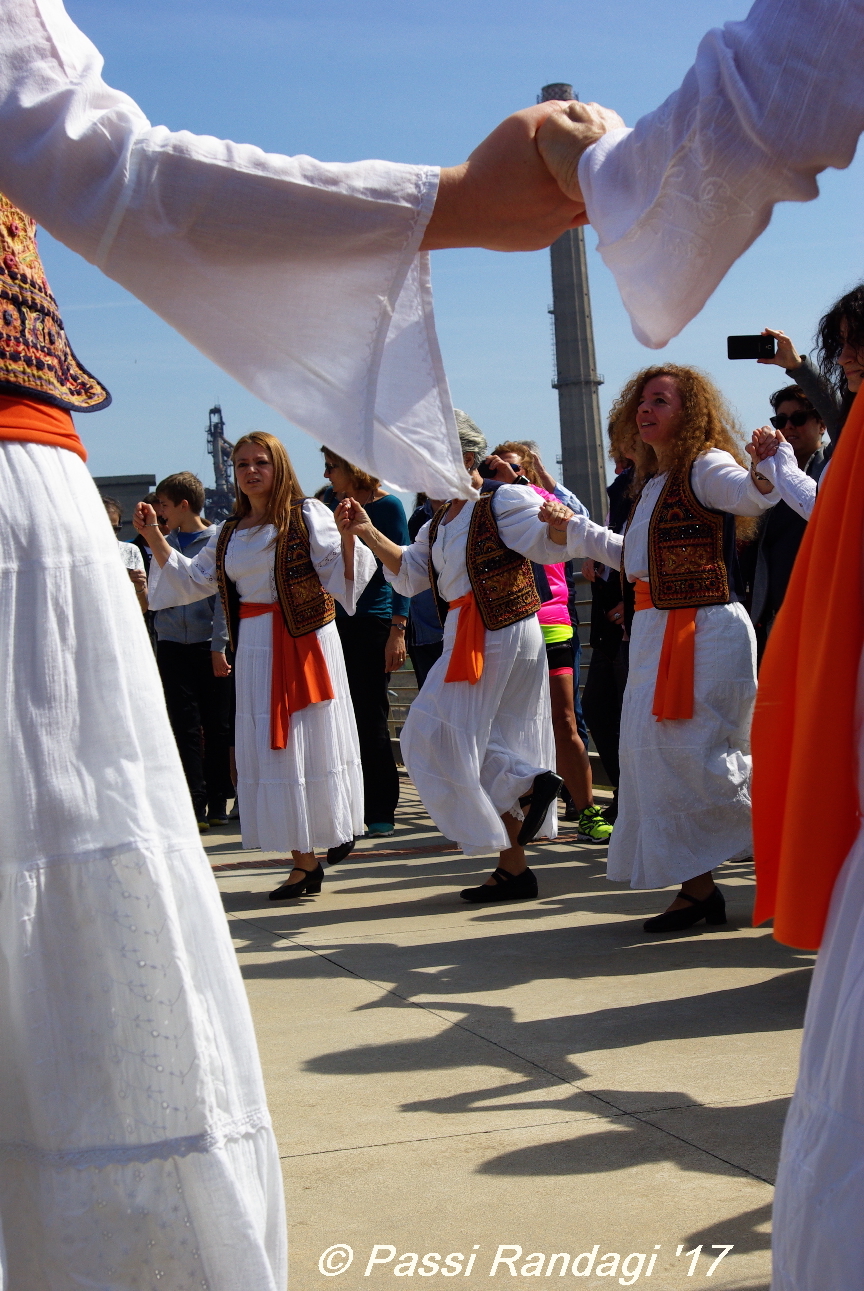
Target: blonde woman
point(684, 802)
point(278, 564)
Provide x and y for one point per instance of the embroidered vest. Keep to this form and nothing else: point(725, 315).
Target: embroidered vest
point(36, 360)
point(305, 605)
point(691, 550)
point(502, 581)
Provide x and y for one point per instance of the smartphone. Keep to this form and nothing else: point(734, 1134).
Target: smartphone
point(750, 347)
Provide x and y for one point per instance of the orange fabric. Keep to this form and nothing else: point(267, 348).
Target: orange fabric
point(28, 422)
point(466, 661)
point(806, 701)
point(300, 674)
point(673, 692)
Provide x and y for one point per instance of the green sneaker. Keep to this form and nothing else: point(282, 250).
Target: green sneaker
point(593, 825)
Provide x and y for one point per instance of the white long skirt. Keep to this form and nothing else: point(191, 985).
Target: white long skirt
point(473, 751)
point(310, 794)
point(135, 1143)
point(684, 796)
point(819, 1203)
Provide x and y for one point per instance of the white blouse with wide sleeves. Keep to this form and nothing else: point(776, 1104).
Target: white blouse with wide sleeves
point(679, 198)
point(299, 278)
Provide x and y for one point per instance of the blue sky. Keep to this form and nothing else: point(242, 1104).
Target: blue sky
point(423, 82)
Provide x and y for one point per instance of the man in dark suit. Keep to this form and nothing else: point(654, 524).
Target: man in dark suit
point(781, 529)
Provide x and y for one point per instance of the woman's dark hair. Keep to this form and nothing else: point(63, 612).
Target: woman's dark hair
point(787, 394)
point(849, 309)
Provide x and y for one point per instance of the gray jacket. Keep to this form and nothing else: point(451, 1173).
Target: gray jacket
point(200, 621)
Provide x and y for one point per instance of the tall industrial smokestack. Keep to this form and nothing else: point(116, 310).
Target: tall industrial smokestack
point(583, 457)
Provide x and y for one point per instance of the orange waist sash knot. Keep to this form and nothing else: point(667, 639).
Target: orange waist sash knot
point(466, 661)
point(673, 692)
point(300, 674)
point(26, 421)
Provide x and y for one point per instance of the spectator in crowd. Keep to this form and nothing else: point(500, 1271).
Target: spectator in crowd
point(603, 695)
point(373, 642)
point(191, 640)
point(425, 635)
point(129, 555)
point(512, 461)
point(140, 541)
point(782, 528)
point(831, 384)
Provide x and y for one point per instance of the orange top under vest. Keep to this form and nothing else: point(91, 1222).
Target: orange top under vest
point(27, 422)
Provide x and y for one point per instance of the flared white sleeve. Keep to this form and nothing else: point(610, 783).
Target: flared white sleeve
point(319, 261)
point(796, 488)
point(413, 576)
point(182, 580)
point(720, 483)
point(768, 104)
point(325, 550)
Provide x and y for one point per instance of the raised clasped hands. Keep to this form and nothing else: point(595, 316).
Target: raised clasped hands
point(555, 514)
point(519, 189)
point(351, 519)
point(143, 517)
point(764, 443)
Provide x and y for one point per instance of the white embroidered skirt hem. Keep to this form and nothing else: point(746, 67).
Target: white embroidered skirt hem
point(473, 751)
point(135, 1142)
point(818, 1234)
point(684, 797)
point(310, 794)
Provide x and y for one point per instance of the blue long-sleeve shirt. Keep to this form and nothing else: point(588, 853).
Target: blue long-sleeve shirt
point(388, 515)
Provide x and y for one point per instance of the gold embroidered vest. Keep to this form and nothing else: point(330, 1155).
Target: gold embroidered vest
point(687, 560)
point(305, 605)
point(502, 581)
point(36, 360)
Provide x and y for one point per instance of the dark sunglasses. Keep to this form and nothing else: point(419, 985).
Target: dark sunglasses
point(328, 467)
point(797, 419)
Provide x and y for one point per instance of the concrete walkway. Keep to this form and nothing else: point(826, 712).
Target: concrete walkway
point(539, 1076)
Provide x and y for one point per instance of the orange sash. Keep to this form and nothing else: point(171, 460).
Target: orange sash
point(26, 421)
point(806, 702)
point(673, 691)
point(466, 661)
point(300, 675)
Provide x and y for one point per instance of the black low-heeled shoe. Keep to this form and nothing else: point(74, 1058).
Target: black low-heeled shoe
point(544, 791)
point(310, 884)
point(507, 887)
point(712, 910)
point(337, 854)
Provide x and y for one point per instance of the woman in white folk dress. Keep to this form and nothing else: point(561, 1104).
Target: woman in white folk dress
point(684, 803)
point(278, 563)
point(478, 740)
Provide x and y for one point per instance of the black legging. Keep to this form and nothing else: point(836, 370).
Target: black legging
point(601, 703)
point(364, 638)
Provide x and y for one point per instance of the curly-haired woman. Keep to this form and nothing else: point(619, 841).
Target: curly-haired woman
point(684, 802)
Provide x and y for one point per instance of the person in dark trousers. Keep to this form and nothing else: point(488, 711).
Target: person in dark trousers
point(603, 694)
point(373, 643)
point(190, 651)
point(781, 529)
point(425, 632)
